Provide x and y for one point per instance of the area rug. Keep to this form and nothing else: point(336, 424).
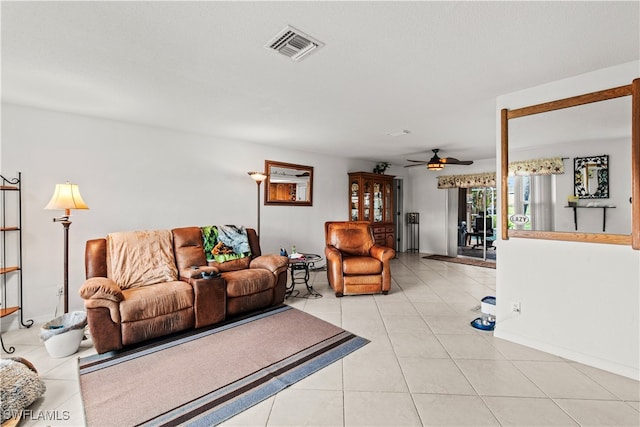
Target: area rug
point(204, 378)
point(476, 253)
point(463, 260)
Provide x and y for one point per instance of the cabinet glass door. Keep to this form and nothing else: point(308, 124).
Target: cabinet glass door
point(366, 201)
point(387, 202)
point(377, 202)
point(355, 201)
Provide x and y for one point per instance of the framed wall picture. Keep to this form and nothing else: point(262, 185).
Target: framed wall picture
point(591, 177)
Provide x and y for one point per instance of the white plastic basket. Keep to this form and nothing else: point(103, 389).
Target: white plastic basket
point(62, 336)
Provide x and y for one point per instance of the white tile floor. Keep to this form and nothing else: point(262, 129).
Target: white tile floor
point(424, 366)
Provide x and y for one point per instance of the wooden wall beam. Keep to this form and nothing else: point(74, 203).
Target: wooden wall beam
point(504, 173)
point(635, 164)
point(574, 101)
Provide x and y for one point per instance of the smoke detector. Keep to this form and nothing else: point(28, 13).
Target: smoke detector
point(399, 132)
point(293, 43)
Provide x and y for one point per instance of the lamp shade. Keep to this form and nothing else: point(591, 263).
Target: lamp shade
point(435, 166)
point(66, 197)
point(258, 176)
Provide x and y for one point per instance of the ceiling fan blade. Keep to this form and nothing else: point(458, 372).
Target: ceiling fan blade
point(450, 160)
point(418, 161)
point(454, 161)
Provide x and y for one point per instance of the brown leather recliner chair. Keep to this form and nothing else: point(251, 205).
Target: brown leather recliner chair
point(355, 263)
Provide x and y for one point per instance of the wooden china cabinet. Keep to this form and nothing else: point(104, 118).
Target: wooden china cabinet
point(371, 199)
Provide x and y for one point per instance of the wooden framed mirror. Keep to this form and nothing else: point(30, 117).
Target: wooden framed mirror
point(288, 184)
point(633, 238)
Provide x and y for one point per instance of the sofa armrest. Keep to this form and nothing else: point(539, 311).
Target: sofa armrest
point(105, 328)
point(210, 300)
point(195, 272)
point(382, 253)
point(99, 303)
point(271, 262)
point(101, 288)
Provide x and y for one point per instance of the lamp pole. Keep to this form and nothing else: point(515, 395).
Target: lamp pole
point(258, 177)
point(258, 182)
point(65, 223)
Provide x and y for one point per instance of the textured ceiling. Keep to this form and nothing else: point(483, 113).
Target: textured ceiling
point(434, 68)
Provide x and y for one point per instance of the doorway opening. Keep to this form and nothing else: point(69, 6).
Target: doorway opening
point(399, 216)
point(477, 210)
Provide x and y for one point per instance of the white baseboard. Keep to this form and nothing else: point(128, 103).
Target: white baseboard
point(606, 365)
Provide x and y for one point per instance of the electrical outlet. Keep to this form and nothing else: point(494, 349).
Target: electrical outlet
point(60, 291)
point(515, 307)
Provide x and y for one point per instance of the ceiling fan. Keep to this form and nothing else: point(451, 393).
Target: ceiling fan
point(438, 163)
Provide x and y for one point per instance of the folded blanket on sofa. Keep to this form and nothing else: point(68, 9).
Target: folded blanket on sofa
point(140, 258)
point(225, 242)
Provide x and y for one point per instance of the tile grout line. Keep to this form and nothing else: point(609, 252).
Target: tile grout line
point(404, 376)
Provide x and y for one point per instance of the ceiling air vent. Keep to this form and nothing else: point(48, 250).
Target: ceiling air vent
point(293, 43)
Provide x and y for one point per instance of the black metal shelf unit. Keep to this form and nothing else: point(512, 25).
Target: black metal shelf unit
point(14, 186)
point(413, 233)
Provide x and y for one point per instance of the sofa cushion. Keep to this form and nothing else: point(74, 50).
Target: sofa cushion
point(155, 300)
point(247, 282)
point(361, 265)
point(140, 258)
point(154, 327)
point(187, 243)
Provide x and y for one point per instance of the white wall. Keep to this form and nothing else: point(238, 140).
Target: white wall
point(136, 177)
point(579, 300)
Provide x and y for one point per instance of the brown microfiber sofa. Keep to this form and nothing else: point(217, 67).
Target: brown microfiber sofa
point(147, 284)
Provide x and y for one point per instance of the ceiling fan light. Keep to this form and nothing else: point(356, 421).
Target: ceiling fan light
point(435, 166)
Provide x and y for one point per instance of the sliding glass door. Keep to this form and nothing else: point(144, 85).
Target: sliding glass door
point(477, 223)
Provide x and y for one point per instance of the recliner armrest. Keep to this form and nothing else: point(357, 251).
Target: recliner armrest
point(270, 262)
point(101, 288)
point(334, 269)
point(382, 253)
point(332, 253)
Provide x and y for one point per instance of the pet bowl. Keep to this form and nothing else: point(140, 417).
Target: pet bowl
point(483, 324)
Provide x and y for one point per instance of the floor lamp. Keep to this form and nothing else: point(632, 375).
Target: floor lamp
point(258, 177)
point(66, 197)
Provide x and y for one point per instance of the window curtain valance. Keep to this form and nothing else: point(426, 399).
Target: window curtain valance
point(485, 179)
point(550, 166)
